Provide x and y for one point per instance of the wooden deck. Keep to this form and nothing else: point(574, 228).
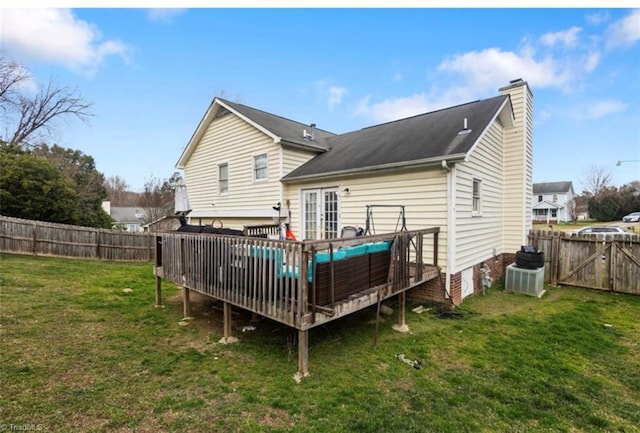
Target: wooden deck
point(300, 284)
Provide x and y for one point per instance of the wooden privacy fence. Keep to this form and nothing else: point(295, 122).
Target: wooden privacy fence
point(22, 236)
point(597, 261)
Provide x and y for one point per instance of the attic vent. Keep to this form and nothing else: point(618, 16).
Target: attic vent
point(221, 113)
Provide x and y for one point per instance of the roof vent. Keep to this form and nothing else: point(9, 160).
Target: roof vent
point(465, 130)
point(310, 135)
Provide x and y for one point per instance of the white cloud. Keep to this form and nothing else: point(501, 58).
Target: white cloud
point(400, 108)
point(57, 36)
point(597, 18)
point(335, 95)
point(164, 15)
point(568, 38)
point(624, 32)
point(397, 76)
point(486, 70)
point(585, 111)
point(602, 108)
point(591, 61)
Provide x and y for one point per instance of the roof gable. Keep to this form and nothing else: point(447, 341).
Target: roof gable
point(280, 129)
point(552, 187)
point(429, 137)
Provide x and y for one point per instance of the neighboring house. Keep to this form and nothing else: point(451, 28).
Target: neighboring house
point(553, 202)
point(126, 218)
point(164, 224)
point(466, 169)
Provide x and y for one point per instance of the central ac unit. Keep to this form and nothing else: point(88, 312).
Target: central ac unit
point(525, 281)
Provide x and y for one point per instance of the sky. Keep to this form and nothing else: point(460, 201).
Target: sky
point(151, 74)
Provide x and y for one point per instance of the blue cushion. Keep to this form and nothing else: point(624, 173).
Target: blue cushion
point(266, 252)
point(356, 250)
point(325, 257)
point(290, 271)
point(378, 246)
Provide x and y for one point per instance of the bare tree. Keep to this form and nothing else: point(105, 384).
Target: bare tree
point(33, 114)
point(595, 181)
point(157, 198)
point(12, 77)
point(118, 192)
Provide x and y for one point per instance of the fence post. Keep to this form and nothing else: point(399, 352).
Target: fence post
point(35, 239)
point(555, 257)
point(98, 252)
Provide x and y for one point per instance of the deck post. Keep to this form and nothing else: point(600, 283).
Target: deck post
point(186, 302)
point(226, 319)
point(401, 326)
point(158, 291)
point(303, 353)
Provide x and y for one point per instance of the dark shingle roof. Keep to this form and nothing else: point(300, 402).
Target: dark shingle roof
point(430, 136)
point(127, 214)
point(288, 130)
point(551, 187)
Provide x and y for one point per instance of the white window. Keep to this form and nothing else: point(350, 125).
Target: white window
point(260, 167)
point(477, 197)
point(555, 198)
point(223, 178)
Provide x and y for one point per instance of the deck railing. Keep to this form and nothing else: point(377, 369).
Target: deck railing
point(292, 282)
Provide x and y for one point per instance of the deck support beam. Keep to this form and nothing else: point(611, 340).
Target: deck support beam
point(158, 291)
point(401, 326)
point(226, 319)
point(186, 302)
point(303, 354)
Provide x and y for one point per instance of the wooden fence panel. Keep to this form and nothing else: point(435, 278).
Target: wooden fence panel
point(595, 261)
point(61, 240)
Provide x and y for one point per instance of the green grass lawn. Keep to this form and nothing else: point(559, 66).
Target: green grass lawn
point(79, 354)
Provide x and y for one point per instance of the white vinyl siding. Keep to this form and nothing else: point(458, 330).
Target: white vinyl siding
point(294, 158)
point(478, 238)
point(423, 192)
point(230, 140)
point(518, 170)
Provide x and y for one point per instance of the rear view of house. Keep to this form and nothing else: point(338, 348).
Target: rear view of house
point(466, 169)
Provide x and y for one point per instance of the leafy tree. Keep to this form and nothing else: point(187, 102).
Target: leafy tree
point(33, 188)
point(630, 198)
point(80, 170)
point(611, 204)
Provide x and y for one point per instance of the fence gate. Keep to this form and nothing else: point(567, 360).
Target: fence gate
point(592, 261)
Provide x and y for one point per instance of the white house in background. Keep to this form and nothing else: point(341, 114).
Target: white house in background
point(553, 202)
point(466, 169)
point(128, 218)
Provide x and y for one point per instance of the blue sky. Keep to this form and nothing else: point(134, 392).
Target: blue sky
point(152, 73)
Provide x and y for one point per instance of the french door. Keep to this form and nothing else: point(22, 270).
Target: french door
point(320, 213)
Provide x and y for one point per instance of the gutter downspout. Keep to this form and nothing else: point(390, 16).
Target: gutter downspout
point(451, 231)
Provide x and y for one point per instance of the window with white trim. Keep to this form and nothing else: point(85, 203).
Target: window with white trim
point(260, 167)
point(223, 178)
point(476, 208)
